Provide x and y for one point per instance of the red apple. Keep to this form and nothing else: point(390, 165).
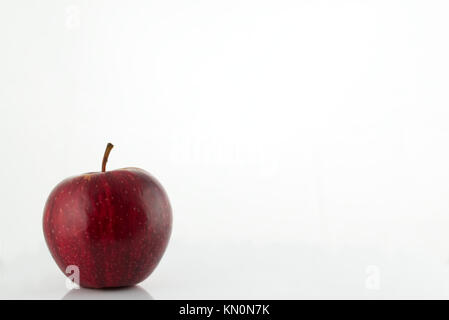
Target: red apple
point(114, 226)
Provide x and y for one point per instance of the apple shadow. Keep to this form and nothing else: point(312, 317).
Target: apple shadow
point(124, 293)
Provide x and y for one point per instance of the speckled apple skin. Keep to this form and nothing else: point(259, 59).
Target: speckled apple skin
point(113, 225)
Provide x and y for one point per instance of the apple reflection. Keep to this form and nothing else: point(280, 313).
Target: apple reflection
point(125, 293)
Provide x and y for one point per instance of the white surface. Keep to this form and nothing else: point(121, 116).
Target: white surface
point(303, 144)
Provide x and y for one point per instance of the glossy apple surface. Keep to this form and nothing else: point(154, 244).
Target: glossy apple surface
point(114, 226)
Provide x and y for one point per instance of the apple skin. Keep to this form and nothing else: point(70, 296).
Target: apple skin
point(113, 225)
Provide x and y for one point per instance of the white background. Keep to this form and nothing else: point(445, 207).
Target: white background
point(304, 144)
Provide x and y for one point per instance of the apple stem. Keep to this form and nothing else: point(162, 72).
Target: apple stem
point(106, 156)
